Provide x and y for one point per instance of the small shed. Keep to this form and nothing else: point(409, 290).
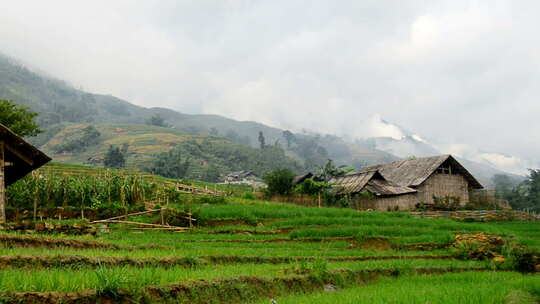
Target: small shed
point(17, 159)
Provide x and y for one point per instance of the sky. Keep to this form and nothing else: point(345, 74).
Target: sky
point(464, 75)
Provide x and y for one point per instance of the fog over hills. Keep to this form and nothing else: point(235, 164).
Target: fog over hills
point(59, 105)
point(403, 143)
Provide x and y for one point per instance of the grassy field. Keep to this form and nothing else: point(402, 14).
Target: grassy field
point(468, 287)
point(246, 251)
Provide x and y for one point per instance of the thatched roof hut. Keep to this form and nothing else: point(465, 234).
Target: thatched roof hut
point(17, 158)
point(404, 184)
point(371, 181)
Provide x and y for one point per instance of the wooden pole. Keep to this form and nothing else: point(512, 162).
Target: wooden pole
point(2, 186)
point(36, 195)
point(319, 200)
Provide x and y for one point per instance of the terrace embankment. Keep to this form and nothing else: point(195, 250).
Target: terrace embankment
point(31, 241)
point(229, 290)
point(479, 215)
point(76, 261)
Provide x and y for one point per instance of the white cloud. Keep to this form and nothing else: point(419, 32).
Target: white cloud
point(511, 164)
point(459, 71)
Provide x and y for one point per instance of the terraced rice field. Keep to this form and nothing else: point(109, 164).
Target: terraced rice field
point(257, 252)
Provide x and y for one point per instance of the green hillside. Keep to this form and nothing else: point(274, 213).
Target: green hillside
point(61, 105)
point(208, 156)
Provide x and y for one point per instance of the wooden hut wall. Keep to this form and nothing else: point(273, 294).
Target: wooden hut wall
point(388, 203)
point(441, 185)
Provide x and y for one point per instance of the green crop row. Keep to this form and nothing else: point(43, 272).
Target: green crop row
point(133, 278)
point(452, 288)
point(49, 190)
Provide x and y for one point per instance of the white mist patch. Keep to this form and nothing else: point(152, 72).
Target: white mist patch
point(506, 163)
point(511, 164)
point(379, 128)
point(418, 138)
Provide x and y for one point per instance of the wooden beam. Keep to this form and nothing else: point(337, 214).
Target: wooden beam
point(19, 155)
point(2, 185)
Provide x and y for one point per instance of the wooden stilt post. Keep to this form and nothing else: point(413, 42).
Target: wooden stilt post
point(2, 185)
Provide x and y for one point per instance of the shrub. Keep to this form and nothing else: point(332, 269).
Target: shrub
point(279, 181)
point(213, 200)
point(248, 196)
point(447, 203)
point(521, 258)
point(311, 187)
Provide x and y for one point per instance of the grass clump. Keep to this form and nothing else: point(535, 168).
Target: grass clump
point(109, 282)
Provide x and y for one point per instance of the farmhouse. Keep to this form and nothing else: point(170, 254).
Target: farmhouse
point(17, 158)
point(404, 184)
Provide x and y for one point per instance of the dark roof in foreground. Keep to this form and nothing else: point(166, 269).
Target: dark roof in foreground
point(413, 172)
point(372, 181)
point(24, 157)
point(300, 178)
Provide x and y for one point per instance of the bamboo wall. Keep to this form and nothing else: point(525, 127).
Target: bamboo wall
point(442, 185)
point(399, 202)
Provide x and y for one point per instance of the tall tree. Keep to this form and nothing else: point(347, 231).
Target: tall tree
point(503, 185)
point(533, 185)
point(18, 119)
point(289, 137)
point(114, 158)
point(330, 170)
point(171, 164)
point(157, 120)
point(261, 140)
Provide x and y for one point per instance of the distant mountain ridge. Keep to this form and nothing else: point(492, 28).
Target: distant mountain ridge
point(61, 105)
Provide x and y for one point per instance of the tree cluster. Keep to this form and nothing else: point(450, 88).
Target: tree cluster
point(18, 119)
point(114, 158)
point(173, 164)
point(89, 136)
point(523, 195)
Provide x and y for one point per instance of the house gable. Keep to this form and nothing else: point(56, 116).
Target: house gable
point(20, 157)
point(414, 172)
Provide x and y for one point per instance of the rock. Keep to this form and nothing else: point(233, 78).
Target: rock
point(330, 288)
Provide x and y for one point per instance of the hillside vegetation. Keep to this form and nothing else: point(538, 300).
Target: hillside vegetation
point(207, 156)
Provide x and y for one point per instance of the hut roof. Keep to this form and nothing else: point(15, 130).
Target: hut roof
point(372, 181)
point(413, 172)
point(384, 188)
point(300, 178)
point(21, 156)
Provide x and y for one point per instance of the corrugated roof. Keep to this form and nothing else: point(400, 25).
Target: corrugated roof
point(372, 181)
point(413, 172)
point(24, 157)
